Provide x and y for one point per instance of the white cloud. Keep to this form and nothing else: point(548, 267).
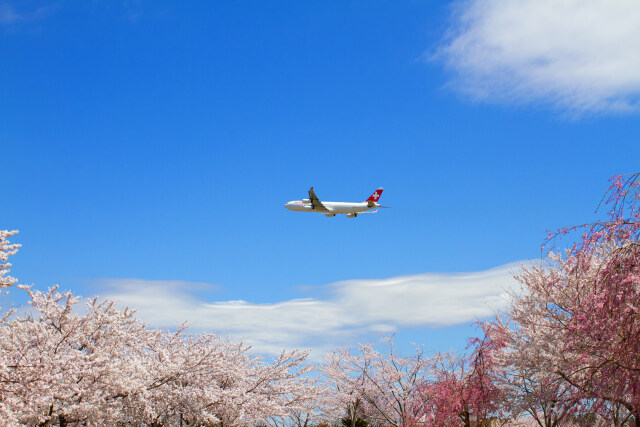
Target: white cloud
point(351, 309)
point(578, 55)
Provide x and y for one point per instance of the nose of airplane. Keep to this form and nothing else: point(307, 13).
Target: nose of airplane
point(288, 205)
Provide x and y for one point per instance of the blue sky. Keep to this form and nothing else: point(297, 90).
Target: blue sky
point(148, 148)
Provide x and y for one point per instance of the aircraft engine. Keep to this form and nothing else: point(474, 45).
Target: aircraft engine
point(306, 201)
point(352, 215)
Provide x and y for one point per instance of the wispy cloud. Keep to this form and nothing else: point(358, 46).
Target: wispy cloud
point(8, 15)
point(580, 56)
point(352, 308)
point(14, 14)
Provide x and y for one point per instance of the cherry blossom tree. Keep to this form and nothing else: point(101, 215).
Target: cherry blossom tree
point(533, 348)
point(177, 382)
point(579, 322)
point(322, 406)
point(532, 385)
point(544, 396)
point(348, 378)
point(256, 391)
point(466, 390)
point(61, 366)
point(379, 386)
point(575, 324)
point(61, 363)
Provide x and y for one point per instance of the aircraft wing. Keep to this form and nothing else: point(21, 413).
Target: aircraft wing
point(315, 202)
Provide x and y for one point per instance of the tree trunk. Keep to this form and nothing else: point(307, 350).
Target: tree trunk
point(467, 419)
point(354, 412)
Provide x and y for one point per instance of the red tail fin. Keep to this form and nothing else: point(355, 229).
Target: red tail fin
point(375, 196)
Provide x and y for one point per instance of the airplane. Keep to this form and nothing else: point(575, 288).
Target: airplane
point(352, 210)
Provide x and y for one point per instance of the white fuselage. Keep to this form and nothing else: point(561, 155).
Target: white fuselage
point(331, 207)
